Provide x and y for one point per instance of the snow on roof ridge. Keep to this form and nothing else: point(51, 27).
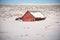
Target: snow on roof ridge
point(37, 14)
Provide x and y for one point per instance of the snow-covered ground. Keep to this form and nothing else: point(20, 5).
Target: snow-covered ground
point(48, 29)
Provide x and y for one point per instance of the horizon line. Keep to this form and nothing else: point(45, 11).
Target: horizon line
point(33, 4)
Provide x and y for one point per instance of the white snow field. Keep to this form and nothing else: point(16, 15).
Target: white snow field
point(48, 29)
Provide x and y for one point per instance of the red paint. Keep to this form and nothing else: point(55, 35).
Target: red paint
point(28, 17)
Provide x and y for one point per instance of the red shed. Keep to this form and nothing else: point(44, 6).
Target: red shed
point(32, 16)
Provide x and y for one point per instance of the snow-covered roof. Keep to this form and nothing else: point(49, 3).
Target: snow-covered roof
point(37, 14)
